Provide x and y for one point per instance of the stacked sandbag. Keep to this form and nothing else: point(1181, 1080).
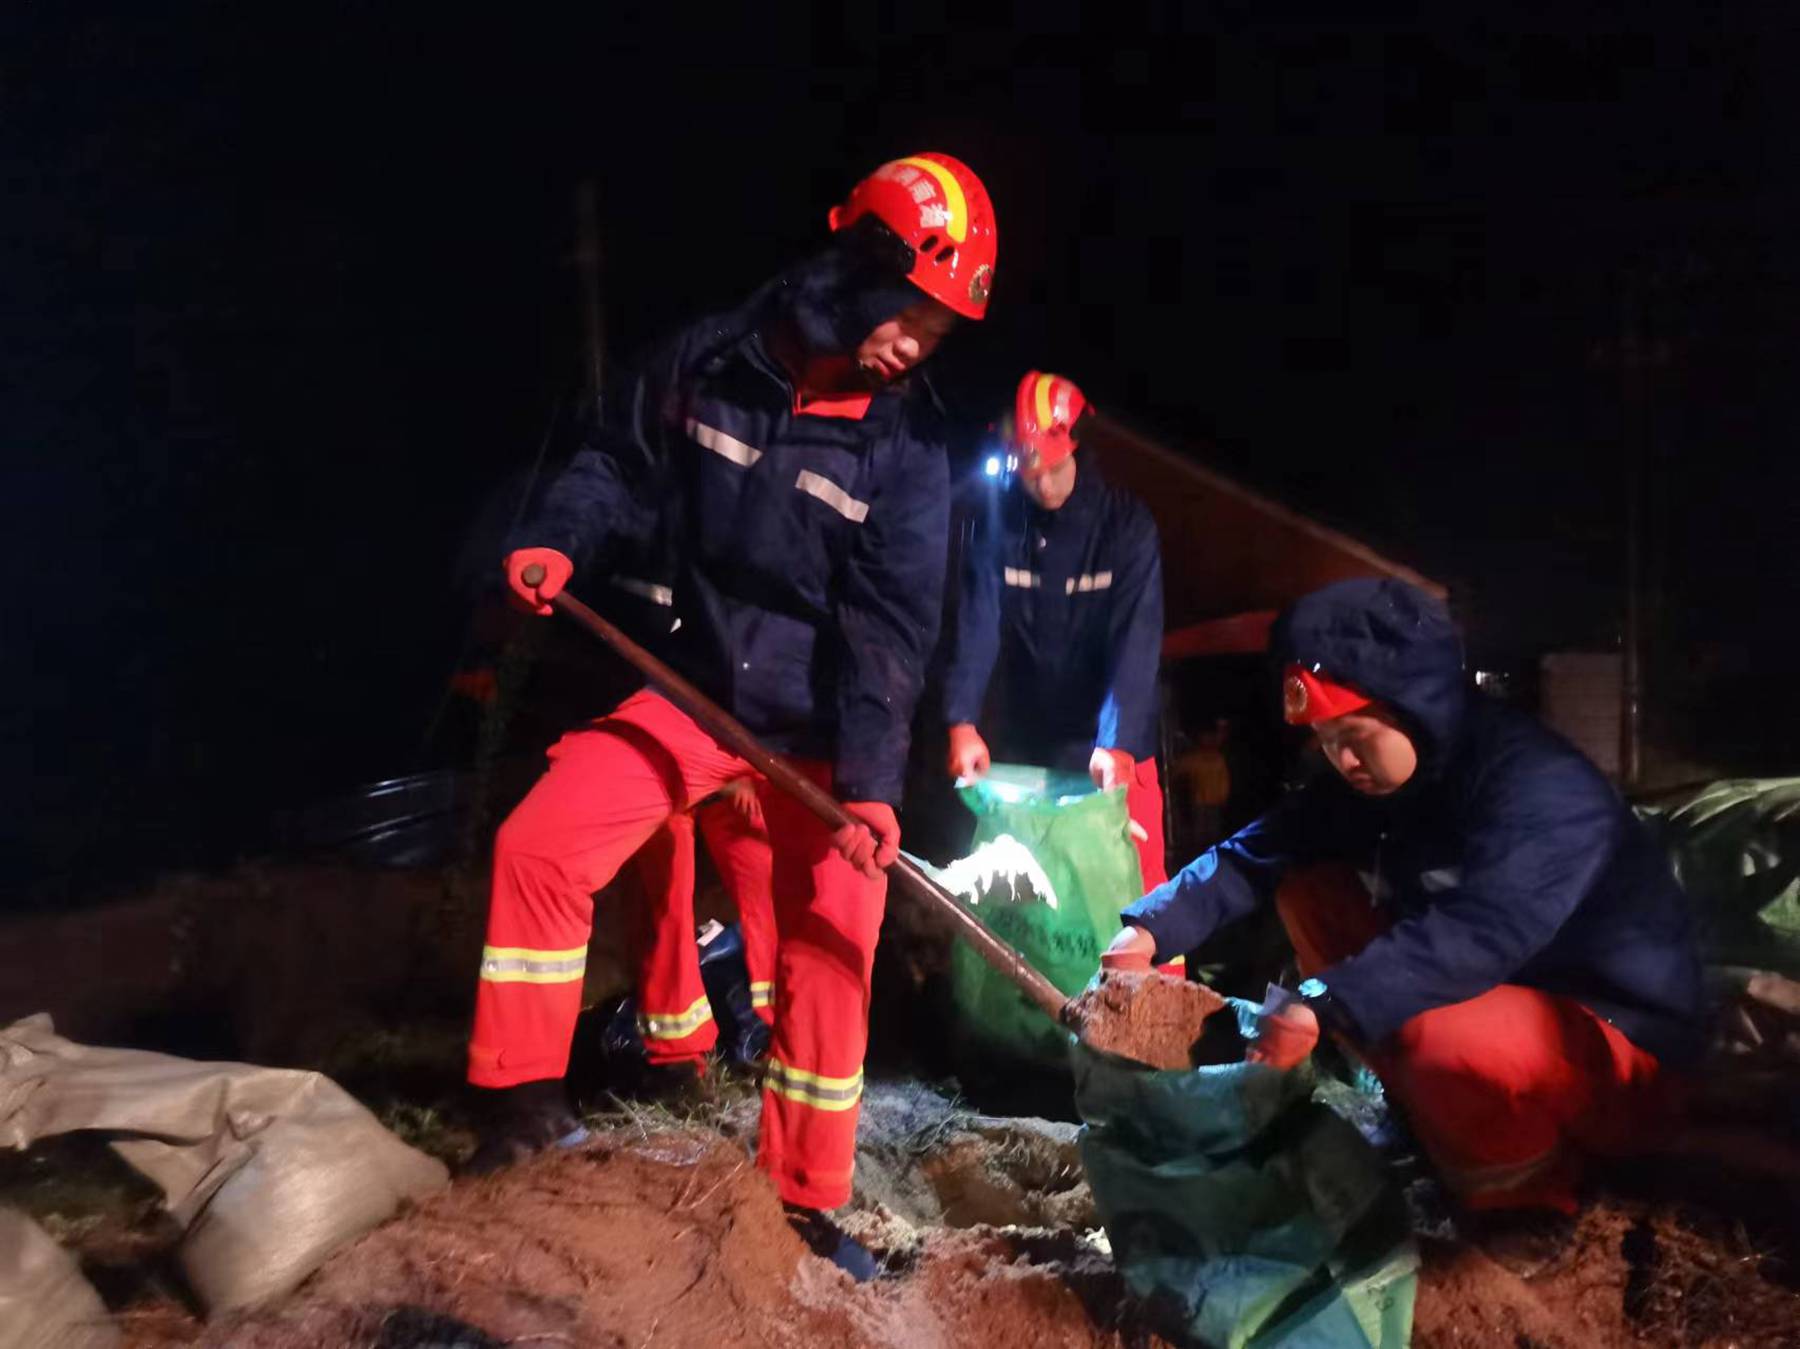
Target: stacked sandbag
point(269, 1170)
point(44, 1301)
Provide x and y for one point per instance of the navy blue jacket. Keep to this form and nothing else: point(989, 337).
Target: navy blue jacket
point(636, 586)
point(808, 556)
point(1507, 859)
point(1066, 607)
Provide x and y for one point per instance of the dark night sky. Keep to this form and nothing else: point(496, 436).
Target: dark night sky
point(285, 299)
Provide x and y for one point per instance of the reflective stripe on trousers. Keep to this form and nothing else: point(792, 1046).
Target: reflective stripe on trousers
point(675, 1025)
point(821, 1093)
point(522, 965)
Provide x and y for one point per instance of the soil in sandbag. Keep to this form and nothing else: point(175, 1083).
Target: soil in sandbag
point(1148, 1017)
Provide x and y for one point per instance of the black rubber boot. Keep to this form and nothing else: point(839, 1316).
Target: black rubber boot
point(521, 1121)
point(828, 1241)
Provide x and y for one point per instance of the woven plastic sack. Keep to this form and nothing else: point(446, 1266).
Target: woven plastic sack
point(269, 1170)
point(44, 1301)
point(1242, 1212)
point(1081, 842)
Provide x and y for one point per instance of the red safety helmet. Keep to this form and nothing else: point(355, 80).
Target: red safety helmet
point(941, 212)
point(1047, 411)
point(1311, 695)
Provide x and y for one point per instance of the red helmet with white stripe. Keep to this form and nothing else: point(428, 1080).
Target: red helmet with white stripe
point(1046, 414)
point(941, 212)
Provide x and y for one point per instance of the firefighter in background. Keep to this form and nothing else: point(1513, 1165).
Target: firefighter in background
point(810, 494)
point(674, 1014)
point(1202, 777)
point(1062, 602)
point(1478, 915)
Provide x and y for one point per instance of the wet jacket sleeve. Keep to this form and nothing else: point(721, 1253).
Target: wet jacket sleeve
point(603, 499)
point(890, 600)
point(1546, 833)
point(1129, 714)
point(1227, 882)
point(977, 639)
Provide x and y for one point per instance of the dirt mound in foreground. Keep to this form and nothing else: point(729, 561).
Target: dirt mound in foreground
point(1626, 1276)
point(672, 1239)
point(660, 1234)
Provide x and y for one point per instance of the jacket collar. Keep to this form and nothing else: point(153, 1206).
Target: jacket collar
point(1082, 502)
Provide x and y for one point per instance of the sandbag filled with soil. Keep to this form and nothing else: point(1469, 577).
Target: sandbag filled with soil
point(1241, 1210)
point(269, 1170)
point(44, 1301)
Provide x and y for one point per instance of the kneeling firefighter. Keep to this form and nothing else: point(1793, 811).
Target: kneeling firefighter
point(1478, 914)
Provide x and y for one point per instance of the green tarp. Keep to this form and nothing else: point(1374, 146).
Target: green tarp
point(1735, 847)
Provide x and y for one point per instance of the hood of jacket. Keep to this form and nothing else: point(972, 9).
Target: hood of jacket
point(1392, 642)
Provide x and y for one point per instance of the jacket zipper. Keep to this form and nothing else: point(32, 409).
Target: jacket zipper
point(1375, 889)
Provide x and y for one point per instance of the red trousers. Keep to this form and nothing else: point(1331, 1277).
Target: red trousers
point(609, 790)
point(674, 1016)
point(1508, 1091)
point(740, 849)
point(1144, 803)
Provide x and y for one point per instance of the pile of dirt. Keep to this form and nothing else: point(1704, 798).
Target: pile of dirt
point(671, 1239)
point(1626, 1275)
point(664, 1233)
point(608, 1244)
point(1145, 1016)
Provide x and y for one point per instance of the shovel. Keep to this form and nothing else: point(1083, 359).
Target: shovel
point(731, 733)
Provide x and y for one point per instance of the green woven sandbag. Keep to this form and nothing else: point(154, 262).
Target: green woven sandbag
point(1081, 842)
point(1242, 1211)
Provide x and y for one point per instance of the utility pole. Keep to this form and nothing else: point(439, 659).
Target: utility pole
point(1634, 387)
point(1641, 351)
point(587, 262)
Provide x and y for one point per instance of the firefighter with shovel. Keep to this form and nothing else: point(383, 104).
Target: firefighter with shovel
point(806, 461)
